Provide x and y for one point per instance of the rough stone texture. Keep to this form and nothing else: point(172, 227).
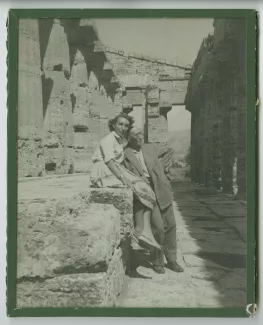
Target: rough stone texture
point(74, 290)
point(73, 243)
point(157, 128)
point(66, 240)
point(79, 93)
point(64, 85)
point(30, 109)
point(122, 200)
point(58, 120)
point(216, 98)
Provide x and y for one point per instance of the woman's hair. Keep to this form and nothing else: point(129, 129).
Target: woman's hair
point(113, 121)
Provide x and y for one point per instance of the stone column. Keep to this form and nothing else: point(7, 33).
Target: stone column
point(200, 140)
point(208, 137)
point(58, 119)
point(241, 142)
point(242, 118)
point(216, 127)
point(193, 145)
point(30, 104)
point(80, 104)
point(137, 113)
point(229, 138)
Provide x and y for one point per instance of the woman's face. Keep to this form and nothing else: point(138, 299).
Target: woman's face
point(121, 127)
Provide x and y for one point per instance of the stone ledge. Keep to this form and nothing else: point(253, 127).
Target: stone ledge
point(74, 290)
point(81, 237)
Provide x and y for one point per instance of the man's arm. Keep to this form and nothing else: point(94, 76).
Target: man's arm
point(165, 154)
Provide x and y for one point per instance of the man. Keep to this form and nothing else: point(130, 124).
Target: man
point(143, 160)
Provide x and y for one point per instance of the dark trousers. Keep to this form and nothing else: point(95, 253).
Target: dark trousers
point(164, 230)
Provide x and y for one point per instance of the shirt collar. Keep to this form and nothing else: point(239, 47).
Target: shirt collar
point(136, 152)
point(115, 134)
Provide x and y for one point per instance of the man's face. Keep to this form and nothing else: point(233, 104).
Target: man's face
point(136, 138)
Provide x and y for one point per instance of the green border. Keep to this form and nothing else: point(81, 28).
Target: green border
point(12, 87)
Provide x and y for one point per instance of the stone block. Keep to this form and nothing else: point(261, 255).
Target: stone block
point(74, 290)
point(59, 160)
point(73, 246)
point(30, 158)
point(172, 97)
point(80, 140)
point(122, 199)
point(66, 237)
point(82, 160)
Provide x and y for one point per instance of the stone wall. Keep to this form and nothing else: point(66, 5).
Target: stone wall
point(73, 251)
point(216, 97)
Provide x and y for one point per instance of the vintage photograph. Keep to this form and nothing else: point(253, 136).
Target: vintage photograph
point(131, 161)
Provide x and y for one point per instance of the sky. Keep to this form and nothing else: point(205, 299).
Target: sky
point(176, 40)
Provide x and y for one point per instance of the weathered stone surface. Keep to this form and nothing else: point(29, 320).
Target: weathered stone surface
point(73, 248)
point(195, 261)
point(240, 225)
point(231, 209)
point(216, 98)
point(234, 280)
point(58, 119)
point(73, 289)
point(57, 52)
point(157, 129)
point(66, 238)
point(122, 200)
point(30, 158)
point(30, 110)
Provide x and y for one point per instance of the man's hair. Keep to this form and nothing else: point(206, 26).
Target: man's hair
point(136, 129)
point(113, 121)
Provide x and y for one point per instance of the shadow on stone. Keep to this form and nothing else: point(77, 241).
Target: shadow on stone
point(214, 253)
point(232, 261)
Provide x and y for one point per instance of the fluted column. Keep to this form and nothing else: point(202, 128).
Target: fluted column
point(58, 120)
point(30, 106)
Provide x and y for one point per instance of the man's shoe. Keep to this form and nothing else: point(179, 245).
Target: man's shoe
point(174, 266)
point(158, 269)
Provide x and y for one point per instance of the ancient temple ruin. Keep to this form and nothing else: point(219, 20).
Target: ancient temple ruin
point(70, 85)
point(216, 98)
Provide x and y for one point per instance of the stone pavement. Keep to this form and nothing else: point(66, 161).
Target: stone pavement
point(212, 249)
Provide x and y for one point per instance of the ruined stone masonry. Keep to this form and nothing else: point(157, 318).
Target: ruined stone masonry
point(73, 247)
point(70, 85)
point(216, 98)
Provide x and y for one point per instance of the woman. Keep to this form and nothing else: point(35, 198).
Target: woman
point(107, 171)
